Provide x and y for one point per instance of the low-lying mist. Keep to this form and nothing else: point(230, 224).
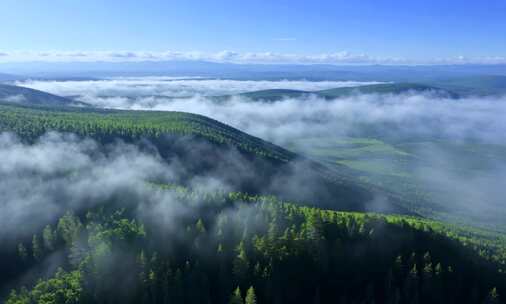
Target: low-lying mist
point(474, 127)
point(61, 172)
point(132, 87)
point(477, 118)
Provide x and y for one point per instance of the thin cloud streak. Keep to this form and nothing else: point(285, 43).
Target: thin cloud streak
point(285, 39)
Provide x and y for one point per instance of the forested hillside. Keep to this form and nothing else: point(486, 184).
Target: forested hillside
point(235, 248)
point(167, 242)
point(208, 147)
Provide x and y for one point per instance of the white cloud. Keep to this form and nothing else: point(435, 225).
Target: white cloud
point(15, 98)
point(133, 87)
point(479, 117)
point(339, 57)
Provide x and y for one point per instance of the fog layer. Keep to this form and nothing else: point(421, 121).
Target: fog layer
point(473, 127)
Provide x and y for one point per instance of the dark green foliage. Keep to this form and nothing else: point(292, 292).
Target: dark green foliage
point(64, 287)
point(251, 298)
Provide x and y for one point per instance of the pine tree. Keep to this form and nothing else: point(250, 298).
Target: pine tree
point(69, 227)
point(314, 226)
point(199, 226)
point(250, 296)
point(36, 249)
point(236, 297)
point(48, 238)
point(200, 230)
point(241, 263)
point(493, 297)
point(427, 276)
point(438, 270)
point(411, 285)
point(398, 264)
point(22, 252)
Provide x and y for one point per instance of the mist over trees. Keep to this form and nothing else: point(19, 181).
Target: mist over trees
point(235, 248)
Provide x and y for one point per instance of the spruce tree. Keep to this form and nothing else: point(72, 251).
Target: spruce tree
point(22, 252)
point(48, 238)
point(236, 298)
point(493, 297)
point(36, 249)
point(241, 263)
point(250, 296)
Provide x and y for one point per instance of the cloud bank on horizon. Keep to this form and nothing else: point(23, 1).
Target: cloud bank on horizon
point(479, 118)
point(339, 57)
point(166, 86)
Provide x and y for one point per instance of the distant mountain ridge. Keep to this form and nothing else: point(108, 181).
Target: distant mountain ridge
point(397, 73)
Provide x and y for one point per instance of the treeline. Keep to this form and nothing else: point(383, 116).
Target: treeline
point(235, 248)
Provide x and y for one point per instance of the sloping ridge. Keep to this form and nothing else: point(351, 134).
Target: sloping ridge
point(207, 147)
point(385, 88)
point(274, 94)
point(26, 96)
point(475, 85)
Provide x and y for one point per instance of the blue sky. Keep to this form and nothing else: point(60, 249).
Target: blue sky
point(332, 30)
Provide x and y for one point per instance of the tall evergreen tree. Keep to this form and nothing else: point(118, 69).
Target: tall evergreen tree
point(493, 297)
point(22, 252)
point(241, 263)
point(251, 297)
point(236, 297)
point(36, 248)
point(48, 238)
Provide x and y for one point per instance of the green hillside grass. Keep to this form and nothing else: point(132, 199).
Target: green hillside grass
point(391, 165)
